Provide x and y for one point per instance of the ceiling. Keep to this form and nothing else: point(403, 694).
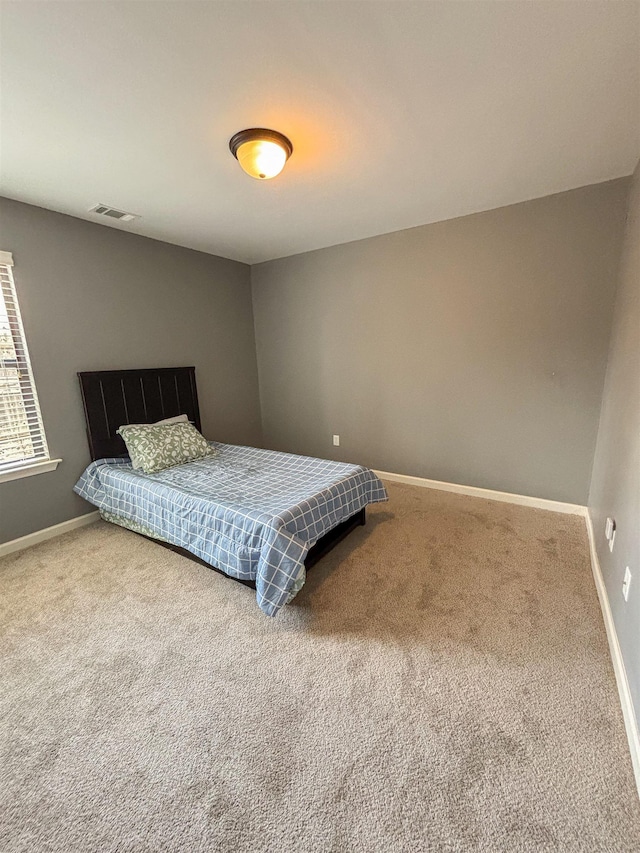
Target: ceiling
point(400, 113)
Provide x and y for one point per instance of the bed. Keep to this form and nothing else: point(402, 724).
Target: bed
point(261, 517)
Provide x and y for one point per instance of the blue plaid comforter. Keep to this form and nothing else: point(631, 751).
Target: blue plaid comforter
point(252, 513)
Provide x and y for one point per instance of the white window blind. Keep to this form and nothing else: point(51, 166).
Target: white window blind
point(22, 438)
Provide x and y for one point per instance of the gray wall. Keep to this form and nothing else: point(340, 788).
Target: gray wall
point(471, 351)
point(94, 298)
point(615, 485)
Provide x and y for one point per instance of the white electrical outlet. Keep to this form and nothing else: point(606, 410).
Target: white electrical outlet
point(626, 583)
point(608, 528)
point(336, 441)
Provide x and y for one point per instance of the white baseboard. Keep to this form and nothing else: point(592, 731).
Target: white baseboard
point(630, 721)
point(488, 494)
point(47, 533)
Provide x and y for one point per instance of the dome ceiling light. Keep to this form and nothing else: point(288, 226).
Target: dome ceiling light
point(262, 153)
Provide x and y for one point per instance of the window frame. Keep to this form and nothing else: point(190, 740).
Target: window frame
point(41, 461)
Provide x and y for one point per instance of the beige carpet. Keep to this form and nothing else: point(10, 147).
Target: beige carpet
point(442, 683)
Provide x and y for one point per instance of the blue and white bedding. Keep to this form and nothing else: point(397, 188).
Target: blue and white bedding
point(252, 513)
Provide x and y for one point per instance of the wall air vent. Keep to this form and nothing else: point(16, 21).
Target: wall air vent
point(105, 210)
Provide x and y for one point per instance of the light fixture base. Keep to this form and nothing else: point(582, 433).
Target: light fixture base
point(256, 133)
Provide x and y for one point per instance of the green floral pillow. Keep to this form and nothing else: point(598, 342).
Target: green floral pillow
point(154, 447)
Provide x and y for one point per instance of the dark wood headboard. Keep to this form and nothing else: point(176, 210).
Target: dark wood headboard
point(112, 398)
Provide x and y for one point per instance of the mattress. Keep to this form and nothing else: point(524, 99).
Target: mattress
point(251, 513)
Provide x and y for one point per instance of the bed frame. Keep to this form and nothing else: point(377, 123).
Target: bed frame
point(112, 398)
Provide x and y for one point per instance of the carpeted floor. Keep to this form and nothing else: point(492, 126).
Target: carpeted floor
point(442, 683)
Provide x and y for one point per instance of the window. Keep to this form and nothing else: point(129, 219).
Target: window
point(22, 438)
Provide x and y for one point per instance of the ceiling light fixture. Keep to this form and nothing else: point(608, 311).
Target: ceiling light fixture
point(262, 153)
